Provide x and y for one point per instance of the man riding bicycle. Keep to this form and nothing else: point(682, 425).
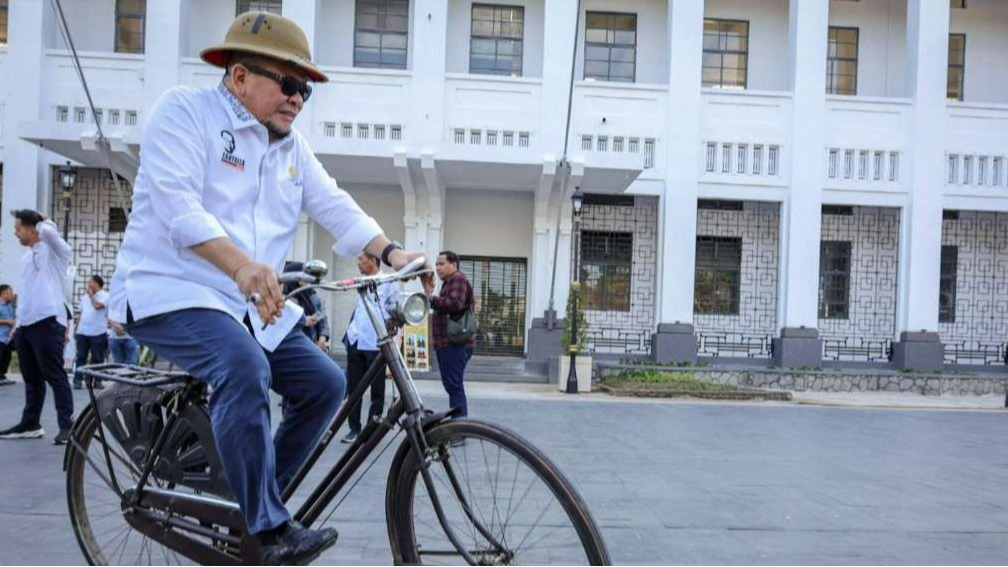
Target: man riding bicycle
point(223, 178)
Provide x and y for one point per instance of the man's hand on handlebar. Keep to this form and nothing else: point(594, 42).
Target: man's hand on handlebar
point(259, 283)
point(400, 258)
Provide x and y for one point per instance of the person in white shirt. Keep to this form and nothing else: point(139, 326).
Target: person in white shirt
point(41, 326)
point(361, 344)
point(223, 179)
point(92, 328)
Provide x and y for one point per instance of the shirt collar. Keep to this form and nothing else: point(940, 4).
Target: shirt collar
point(240, 116)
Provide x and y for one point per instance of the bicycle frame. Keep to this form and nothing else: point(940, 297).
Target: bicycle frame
point(408, 412)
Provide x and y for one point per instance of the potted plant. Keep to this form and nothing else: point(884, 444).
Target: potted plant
point(583, 362)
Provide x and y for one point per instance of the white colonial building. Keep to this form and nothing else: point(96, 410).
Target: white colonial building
point(804, 180)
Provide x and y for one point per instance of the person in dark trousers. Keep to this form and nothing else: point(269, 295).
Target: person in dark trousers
point(223, 180)
point(41, 325)
point(91, 334)
point(455, 297)
point(314, 322)
point(7, 323)
point(361, 343)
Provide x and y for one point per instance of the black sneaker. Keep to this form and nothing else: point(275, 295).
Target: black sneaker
point(5, 381)
point(62, 437)
point(295, 545)
point(22, 431)
point(350, 437)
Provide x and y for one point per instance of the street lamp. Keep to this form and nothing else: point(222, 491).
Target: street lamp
point(577, 202)
point(68, 178)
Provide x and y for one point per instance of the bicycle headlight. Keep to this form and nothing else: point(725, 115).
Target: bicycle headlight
point(408, 308)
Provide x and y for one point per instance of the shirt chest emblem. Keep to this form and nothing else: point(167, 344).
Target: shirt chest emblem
point(228, 158)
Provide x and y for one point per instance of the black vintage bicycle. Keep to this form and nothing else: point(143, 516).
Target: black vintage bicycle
point(145, 484)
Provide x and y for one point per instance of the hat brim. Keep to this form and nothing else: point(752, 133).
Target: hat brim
point(218, 57)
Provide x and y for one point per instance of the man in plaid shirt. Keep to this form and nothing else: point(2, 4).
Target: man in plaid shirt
point(455, 297)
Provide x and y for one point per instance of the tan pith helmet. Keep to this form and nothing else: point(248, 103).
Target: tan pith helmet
point(266, 34)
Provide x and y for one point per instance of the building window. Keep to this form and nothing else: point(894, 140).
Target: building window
point(606, 268)
point(956, 66)
point(495, 43)
point(116, 219)
point(725, 53)
point(130, 16)
point(842, 61)
point(610, 47)
point(381, 33)
point(271, 6)
point(718, 274)
point(3, 21)
point(834, 279)
point(947, 284)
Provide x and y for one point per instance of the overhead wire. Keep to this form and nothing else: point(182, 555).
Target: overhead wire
point(102, 143)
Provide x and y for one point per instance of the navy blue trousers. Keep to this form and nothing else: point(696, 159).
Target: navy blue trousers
point(217, 349)
point(452, 361)
point(40, 352)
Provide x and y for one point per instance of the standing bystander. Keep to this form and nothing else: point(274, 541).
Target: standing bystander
point(41, 326)
point(362, 348)
point(453, 301)
point(92, 328)
point(7, 323)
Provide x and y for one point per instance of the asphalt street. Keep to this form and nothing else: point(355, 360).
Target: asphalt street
point(669, 482)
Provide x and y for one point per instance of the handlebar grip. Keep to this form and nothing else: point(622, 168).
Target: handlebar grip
point(292, 277)
point(412, 266)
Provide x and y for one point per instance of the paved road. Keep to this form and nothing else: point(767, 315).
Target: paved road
point(673, 482)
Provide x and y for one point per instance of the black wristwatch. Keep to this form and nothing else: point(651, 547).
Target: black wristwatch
point(388, 250)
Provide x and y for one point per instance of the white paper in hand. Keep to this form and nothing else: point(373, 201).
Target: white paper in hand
point(271, 336)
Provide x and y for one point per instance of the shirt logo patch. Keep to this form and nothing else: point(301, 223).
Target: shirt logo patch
point(291, 171)
point(228, 158)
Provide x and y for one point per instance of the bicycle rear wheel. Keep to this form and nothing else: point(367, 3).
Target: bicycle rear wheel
point(505, 501)
point(96, 509)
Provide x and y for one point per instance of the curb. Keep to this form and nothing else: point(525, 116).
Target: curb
point(714, 395)
point(832, 404)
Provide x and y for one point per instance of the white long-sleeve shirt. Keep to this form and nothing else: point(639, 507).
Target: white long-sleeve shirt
point(360, 330)
point(43, 269)
point(208, 170)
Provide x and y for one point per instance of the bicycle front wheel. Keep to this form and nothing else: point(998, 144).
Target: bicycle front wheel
point(505, 502)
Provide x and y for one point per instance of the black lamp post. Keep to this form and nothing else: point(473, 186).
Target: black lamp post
point(577, 201)
point(68, 178)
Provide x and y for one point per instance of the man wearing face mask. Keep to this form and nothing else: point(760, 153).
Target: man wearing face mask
point(223, 178)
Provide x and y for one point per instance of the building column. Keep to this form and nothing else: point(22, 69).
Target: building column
point(919, 345)
point(429, 38)
point(164, 45)
point(561, 22)
point(799, 343)
point(675, 339)
point(26, 175)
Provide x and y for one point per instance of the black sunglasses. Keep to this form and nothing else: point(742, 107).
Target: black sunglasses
point(289, 85)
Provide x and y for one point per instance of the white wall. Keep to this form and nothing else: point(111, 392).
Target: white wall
point(207, 23)
point(385, 204)
point(984, 22)
point(881, 44)
point(460, 28)
point(768, 38)
point(91, 23)
point(652, 36)
point(488, 223)
point(334, 33)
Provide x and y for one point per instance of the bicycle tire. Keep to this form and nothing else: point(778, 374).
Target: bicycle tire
point(416, 535)
point(96, 512)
